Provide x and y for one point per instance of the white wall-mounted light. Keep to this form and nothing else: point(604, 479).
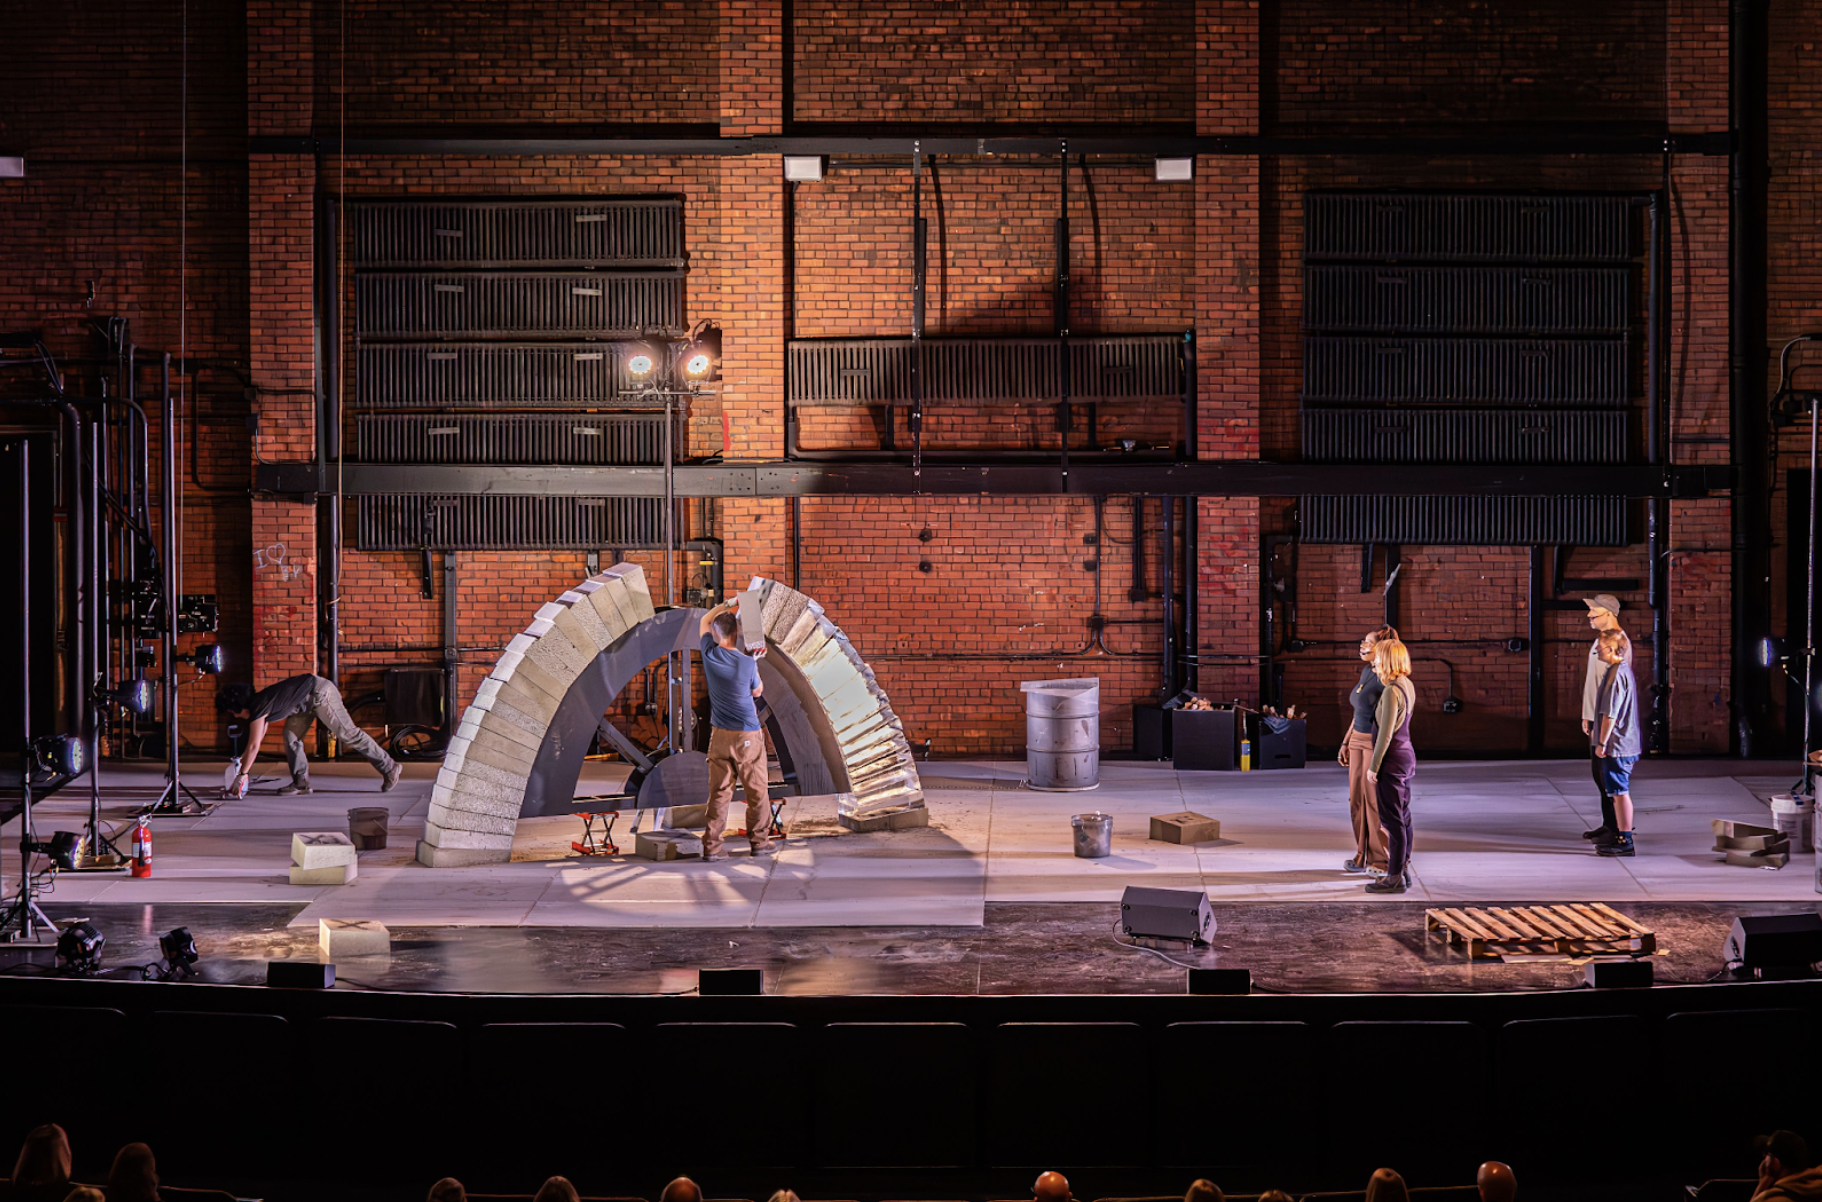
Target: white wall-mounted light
point(12, 167)
point(802, 168)
point(1176, 171)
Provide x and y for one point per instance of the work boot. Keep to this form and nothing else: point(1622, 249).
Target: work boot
point(389, 779)
point(1621, 847)
point(299, 784)
point(1353, 867)
point(1386, 884)
point(764, 849)
point(1603, 831)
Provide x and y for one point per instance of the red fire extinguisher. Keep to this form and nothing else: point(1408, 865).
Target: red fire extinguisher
point(142, 847)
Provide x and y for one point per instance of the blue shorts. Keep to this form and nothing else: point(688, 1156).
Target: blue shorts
point(1615, 772)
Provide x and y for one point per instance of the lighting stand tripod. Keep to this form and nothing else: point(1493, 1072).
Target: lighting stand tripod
point(1785, 406)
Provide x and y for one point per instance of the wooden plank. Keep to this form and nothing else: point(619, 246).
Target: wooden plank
point(1542, 920)
point(1493, 924)
point(1610, 912)
point(1518, 923)
point(1461, 922)
point(1595, 919)
point(1577, 926)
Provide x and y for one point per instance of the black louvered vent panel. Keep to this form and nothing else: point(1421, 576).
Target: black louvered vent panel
point(493, 523)
point(1487, 371)
point(498, 375)
point(978, 371)
point(614, 439)
point(555, 304)
point(645, 232)
point(1441, 228)
point(1465, 300)
point(1382, 435)
point(1465, 521)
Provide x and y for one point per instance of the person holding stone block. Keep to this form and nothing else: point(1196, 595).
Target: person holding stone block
point(297, 701)
point(736, 742)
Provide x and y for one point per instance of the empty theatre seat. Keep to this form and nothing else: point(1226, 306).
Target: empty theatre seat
point(1529, 1098)
point(239, 1139)
point(1727, 1075)
point(895, 1094)
point(684, 1064)
point(1107, 1068)
point(1207, 1105)
point(384, 1091)
point(1442, 1073)
point(524, 1060)
point(84, 1036)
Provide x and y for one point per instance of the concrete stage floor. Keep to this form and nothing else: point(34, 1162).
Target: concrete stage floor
point(1486, 831)
point(988, 899)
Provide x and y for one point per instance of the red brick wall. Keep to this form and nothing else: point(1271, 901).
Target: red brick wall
point(768, 262)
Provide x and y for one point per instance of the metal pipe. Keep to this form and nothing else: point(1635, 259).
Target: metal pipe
point(1746, 323)
point(1809, 605)
point(796, 544)
point(919, 267)
point(1192, 568)
point(168, 523)
point(1657, 514)
point(1534, 659)
point(1061, 305)
point(1167, 566)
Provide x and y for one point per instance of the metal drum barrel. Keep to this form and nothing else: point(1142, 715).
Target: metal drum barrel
point(1063, 733)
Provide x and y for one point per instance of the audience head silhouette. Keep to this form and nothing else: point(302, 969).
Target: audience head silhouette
point(134, 1177)
point(1051, 1187)
point(85, 1193)
point(681, 1190)
point(448, 1190)
point(1203, 1190)
point(1386, 1186)
point(1275, 1195)
point(784, 1195)
point(1496, 1182)
point(44, 1158)
point(557, 1189)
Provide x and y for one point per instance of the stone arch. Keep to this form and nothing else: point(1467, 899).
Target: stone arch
point(519, 748)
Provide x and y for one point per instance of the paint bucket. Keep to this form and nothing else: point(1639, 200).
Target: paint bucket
point(1093, 835)
point(1796, 817)
point(367, 827)
point(1063, 734)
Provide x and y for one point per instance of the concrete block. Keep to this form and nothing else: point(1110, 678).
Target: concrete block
point(468, 840)
point(322, 849)
point(536, 630)
point(339, 937)
point(1185, 826)
point(500, 741)
point(431, 856)
point(751, 614)
point(500, 727)
point(506, 665)
point(570, 627)
point(591, 625)
point(510, 713)
point(666, 844)
point(448, 817)
point(485, 693)
point(550, 612)
point(901, 820)
point(556, 654)
point(339, 874)
point(485, 796)
point(533, 703)
point(519, 644)
point(633, 577)
point(477, 769)
point(614, 605)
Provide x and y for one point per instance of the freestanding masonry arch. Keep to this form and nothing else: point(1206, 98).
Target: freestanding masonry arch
point(519, 748)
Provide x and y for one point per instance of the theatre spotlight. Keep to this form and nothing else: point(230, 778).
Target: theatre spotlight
point(79, 949)
point(64, 849)
point(641, 360)
point(698, 365)
point(135, 695)
point(63, 754)
point(180, 956)
point(208, 659)
point(1771, 653)
point(703, 353)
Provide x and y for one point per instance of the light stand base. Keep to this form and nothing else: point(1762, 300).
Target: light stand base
point(175, 802)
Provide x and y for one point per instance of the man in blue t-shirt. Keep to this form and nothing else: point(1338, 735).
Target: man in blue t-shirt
point(736, 743)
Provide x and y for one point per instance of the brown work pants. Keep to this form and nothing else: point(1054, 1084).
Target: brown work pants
point(737, 754)
point(1363, 803)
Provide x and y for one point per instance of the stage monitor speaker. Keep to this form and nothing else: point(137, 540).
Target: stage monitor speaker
point(1220, 980)
point(730, 982)
point(1166, 914)
point(1619, 974)
point(1774, 941)
point(299, 974)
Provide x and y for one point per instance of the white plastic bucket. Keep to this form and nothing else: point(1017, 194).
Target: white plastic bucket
point(1796, 817)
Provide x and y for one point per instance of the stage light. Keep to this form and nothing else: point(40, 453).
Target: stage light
point(79, 948)
point(135, 695)
point(1771, 652)
point(697, 366)
point(65, 848)
point(803, 168)
point(704, 352)
point(1176, 171)
point(180, 955)
point(62, 754)
point(208, 658)
point(639, 365)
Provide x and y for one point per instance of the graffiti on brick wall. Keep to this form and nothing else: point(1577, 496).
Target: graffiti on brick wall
point(271, 561)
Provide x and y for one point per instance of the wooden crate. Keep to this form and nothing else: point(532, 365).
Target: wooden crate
point(1572, 929)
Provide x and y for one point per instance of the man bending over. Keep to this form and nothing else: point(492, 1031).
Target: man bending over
point(296, 701)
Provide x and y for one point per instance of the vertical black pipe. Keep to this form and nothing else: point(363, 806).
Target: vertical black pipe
point(1534, 656)
point(1137, 593)
point(1751, 452)
point(1657, 509)
point(328, 440)
point(96, 602)
point(919, 267)
point(796, 545)
point(1192, 570)
point(167, 415)
point(451, 644)
point(25, 669)
point(1167, 567)
point(1061, 305)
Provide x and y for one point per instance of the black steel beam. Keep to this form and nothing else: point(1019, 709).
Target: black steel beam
point(1210, 479)
point(561, 140)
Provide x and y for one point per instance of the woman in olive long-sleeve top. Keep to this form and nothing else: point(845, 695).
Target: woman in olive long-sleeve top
point(1394, 762)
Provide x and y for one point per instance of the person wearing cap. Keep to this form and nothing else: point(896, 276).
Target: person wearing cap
point(1785, 1171)
point(1603, 615)
point(1614, 738)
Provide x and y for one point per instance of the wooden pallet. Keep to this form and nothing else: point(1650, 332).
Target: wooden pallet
point(1531, 932)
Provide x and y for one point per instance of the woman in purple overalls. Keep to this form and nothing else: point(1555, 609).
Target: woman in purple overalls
point(1394, 762)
